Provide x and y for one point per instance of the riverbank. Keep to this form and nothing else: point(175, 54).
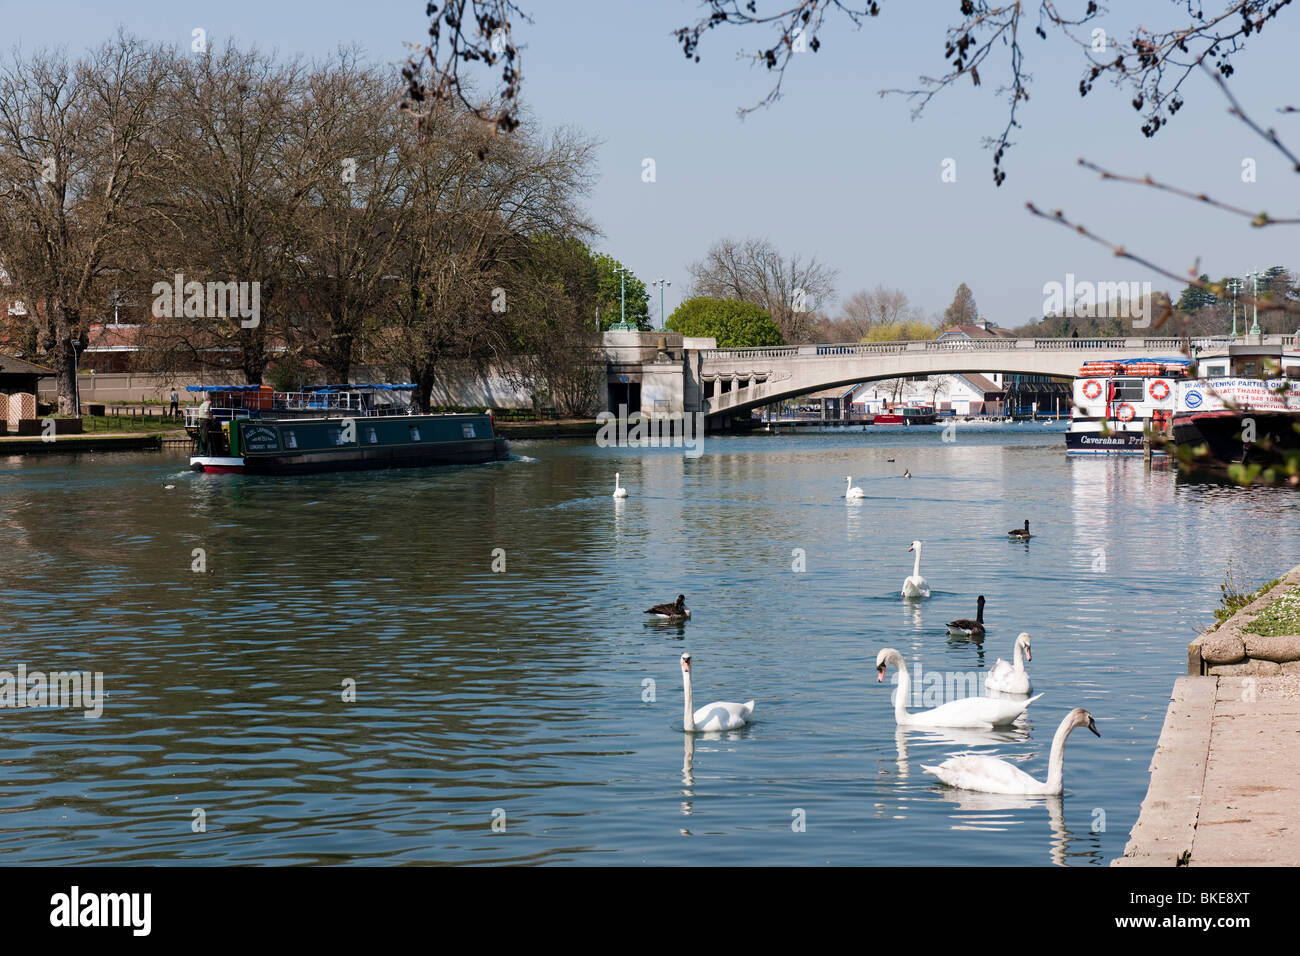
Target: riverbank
point(562, 428)
point(63, 444)
point(1225, 777)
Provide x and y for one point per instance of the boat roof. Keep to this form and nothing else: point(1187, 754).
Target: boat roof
point(378, 387)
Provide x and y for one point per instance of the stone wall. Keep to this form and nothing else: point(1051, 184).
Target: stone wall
point(1231, 650)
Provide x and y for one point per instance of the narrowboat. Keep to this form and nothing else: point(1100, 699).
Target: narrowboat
point(255, 430)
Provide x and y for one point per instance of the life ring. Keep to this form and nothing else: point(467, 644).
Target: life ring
point(1120, 413)
point(1159, 390)
point(1091, 388)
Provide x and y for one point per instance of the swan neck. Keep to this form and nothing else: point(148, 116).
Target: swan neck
point(1020, 658)
point(904, 693)
point(1056, 763)
point(688, 719)
point(916, 566)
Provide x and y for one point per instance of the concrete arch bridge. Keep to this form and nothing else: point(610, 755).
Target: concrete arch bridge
point(736, 380)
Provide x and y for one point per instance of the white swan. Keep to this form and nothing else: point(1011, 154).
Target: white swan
point(619, 492)
point(853, 492)
point(982, 712)
point(1009, 679)
point(916, 586)
point(993, 775)
point(719, 715)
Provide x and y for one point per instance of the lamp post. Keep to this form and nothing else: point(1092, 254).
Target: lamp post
point(661, 282)
point(76, 383)
point(1254, 279)
point(622, 301)
point(1234, 286)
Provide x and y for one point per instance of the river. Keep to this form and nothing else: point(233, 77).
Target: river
point(347, 678)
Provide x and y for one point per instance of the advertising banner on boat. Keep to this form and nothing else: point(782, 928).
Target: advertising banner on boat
point(1215, 394)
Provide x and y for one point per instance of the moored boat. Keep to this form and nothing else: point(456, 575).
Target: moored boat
point(1118, 405)
point(906, 415)
point(332, 428)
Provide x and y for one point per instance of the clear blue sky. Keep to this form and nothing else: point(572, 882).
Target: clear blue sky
point(832, 169)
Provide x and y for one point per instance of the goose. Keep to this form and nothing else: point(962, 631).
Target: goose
point(890, 460)
point(984, 713)
point(916, 586)
point(619, 492)
point(853, 492)
point(719, 715)
point(674, 612)
point(1008, 679)
point(964, 625)
point(906, 473)
point(994, 775)
point(1020, 533)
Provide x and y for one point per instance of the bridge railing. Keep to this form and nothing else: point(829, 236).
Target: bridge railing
point(1168, 345)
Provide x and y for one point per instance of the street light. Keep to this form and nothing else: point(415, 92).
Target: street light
point(622, 300)
point(1234, 286)
point(76, 382)
point(1254, 278)
point(661, 282)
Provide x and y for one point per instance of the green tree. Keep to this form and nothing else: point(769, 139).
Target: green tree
point(733, 323)
point(1194, 299)
point(609, 290)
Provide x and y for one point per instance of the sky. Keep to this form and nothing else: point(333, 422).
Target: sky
point(832, 169)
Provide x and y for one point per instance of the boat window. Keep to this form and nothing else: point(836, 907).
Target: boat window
point(372, 436)
point(1213, 370)
point(1128, 390)
point(415, 432)
point(467, 429)
point(289, 440)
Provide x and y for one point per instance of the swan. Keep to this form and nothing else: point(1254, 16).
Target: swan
point(853, 492)
point(1021, 533)
point(719, 715)
point(981, 712)
point(676, 611)
point(619, 492)
point(964, 625)
point(994, 775)
point(1008, 679)
point(916, 586)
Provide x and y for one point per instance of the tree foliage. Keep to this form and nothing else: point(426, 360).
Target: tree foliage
point(735, 324)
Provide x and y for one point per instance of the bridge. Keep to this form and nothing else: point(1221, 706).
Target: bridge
point(735, 380)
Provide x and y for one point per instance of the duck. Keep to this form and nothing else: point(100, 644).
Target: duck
point(619, 491)
point(983, 713)
point(916, 586)
point(853, 492)
point(1021, 533)
point(964, 625)
point(994, 775)
point(1012, 679)
point(719, 715)
point(674, 612)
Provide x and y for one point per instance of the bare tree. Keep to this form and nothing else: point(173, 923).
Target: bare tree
point(235, 184)
point(864, 310)
point(76, 150)
point(473, 201)
point(790, 289)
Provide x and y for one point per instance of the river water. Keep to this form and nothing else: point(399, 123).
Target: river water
point(529, 713)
